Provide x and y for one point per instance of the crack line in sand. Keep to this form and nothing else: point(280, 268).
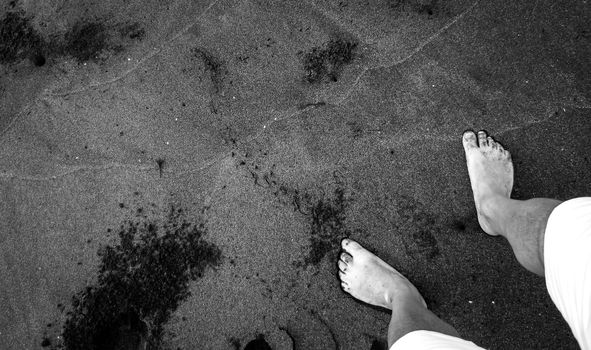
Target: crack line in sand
point(226, 154)
point(412, 53)
point(126, 73)
point(17, 116)
point(270, 122)
point(450, 138)
point(150, 54)
point(283, 116)
point(82, 168)
point(73, 170)
point(208, 164)
point(213, 160)
point(286, 115)
point(330, 16)
point(431, 38)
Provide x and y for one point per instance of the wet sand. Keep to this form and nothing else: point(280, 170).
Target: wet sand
point(180, 174)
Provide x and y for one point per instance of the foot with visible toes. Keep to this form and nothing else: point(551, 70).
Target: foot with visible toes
point(369, 279)
point(491, 175)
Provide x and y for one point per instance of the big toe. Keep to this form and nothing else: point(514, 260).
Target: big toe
point(469, 140)
point(351, 247)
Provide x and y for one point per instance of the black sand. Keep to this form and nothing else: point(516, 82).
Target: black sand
point(276, 128)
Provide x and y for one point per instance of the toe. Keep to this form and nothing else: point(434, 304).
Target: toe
point(345, 286)
point(342, 276)
point(342, 266)
point(491, 142)
point(345, 242)
point(469, 139)
point(352, 247)
point(346, 257)
point(482, 140)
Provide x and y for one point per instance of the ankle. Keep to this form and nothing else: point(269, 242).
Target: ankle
point(412, 317)
point(407, 297)
point(527, 232)
point(496, 210)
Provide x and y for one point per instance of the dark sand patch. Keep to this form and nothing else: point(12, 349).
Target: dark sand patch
point(327, 226)
point(213, 65)
point(133, 31)
point(94, 41)
point(429, 8)
point(323, 206)
point(326, 63)
point(19, 40)
point(141, 281)
point(217, 71)
point(86, 40)
point(419, 226)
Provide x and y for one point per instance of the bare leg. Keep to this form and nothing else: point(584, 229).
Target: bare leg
point(408, 316)
point(523, 223)
point(371, 280)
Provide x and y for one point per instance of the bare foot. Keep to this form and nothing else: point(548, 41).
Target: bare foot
point(491, 174)
point(371, 280)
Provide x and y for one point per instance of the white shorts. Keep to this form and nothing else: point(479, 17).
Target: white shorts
point(428, 340)
point(567, 260)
